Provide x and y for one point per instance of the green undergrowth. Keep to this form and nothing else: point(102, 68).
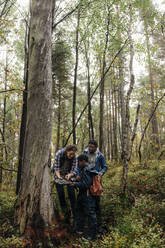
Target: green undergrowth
point(135, 220)
point(9, 236)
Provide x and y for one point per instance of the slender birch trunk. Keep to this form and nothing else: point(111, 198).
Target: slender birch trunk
point(101, 128)
point(126, 123)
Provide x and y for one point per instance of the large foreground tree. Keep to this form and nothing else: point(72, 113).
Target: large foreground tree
point(34, 203)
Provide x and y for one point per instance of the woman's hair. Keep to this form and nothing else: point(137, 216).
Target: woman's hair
point(71, 148)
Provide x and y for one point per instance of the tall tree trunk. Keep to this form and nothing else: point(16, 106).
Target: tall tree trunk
point(126, 123)
point(122, 103)
point(121, 91)
point(58, 117)
point(115, 123)
point(75, 78)
point(24, 110)
point(101, 134)
point(34, 205)
point(119, 122)
point(64, 125)
point(90, 120)
point(4, 116)
point(1, 164)
point(4, 153)
point(108, 125)
point(155, 134)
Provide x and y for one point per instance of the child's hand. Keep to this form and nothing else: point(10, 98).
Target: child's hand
point(77, 178)
point(68, 176)
point(100, 174)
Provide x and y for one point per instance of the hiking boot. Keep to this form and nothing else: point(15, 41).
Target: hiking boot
point(100, 230)
point(79, 232)
point(88, 239)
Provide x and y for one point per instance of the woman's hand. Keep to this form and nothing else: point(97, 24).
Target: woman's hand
point(58, 175)
point(68, 176)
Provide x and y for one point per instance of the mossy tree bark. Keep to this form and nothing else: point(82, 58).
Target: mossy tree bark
point(34, 202)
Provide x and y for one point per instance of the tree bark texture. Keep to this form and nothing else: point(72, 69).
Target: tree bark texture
point(34, 203)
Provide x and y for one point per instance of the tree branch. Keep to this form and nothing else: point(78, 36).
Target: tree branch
point(4, 91)
point(144, 131)
point(67, 15)
point(8, 169)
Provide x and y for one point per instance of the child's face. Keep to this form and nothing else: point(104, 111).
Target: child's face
point(81, 164)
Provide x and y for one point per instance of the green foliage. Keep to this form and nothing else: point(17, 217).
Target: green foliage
point(6, 206)
point(61, 57)
point(8, 236)
point(6, 22)
point(131, 221)
point(13, 242)
point(137, 219)
point(19, 41)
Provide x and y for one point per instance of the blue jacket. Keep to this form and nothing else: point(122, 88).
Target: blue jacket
point(101, 165)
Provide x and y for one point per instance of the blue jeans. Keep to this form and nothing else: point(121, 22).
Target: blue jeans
point(86, 207)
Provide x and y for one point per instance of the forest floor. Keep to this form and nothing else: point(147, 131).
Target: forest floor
point(134, 221)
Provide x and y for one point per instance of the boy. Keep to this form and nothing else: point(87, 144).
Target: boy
point(86, 202)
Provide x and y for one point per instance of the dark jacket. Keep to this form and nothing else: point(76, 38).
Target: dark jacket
point(86, 178)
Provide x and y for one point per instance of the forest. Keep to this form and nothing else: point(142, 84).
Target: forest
point(70, 72)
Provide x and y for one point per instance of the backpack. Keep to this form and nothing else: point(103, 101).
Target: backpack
point(96, 188)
